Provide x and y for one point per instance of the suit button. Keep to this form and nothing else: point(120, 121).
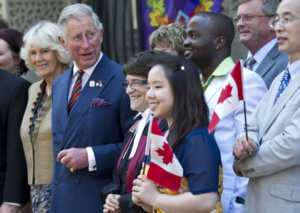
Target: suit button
point(56, 182)
point(54, 134)
point(85, 132)
point(76, 181)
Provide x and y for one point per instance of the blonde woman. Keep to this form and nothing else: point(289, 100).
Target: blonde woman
point(43, 53)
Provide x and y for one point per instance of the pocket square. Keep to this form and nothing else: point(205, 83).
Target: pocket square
point(98, 102)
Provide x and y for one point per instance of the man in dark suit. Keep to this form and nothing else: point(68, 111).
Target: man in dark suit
point(90, 115)
point(255, 33)
point(14, 190)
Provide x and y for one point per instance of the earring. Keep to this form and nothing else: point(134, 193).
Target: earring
point(217, 47)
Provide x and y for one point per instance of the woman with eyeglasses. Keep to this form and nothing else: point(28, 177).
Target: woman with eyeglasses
point(117, 195)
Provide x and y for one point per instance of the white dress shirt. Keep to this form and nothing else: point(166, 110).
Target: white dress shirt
point(140, 128)
point(85, 77)
point(261, 53)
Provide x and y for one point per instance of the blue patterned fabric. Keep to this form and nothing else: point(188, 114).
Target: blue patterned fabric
point(40, 198)
point(249, 63)
point(283, 83)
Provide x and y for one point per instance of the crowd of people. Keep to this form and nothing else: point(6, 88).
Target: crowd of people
point(76, 140)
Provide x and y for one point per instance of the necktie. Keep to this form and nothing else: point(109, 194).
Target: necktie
point(249, 63)
point(76, 89)
point(283, 83)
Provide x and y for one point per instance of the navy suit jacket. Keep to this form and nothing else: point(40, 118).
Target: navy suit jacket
point(273, 64)
point(101, 127)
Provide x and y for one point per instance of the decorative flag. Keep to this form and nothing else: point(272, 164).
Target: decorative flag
point(164, 168)
point(162, 12)
point(231, 94)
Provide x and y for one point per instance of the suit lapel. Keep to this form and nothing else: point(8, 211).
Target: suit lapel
point(274, 110)
point(268, 61)
point(61, 101)
point(100, 74)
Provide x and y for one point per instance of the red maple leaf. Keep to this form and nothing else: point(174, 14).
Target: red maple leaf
point(166, 153)
point(225, 93)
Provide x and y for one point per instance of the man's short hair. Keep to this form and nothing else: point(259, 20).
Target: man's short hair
point(222, 25)
point(171, 35)
point(76, 11)
point(269, 6)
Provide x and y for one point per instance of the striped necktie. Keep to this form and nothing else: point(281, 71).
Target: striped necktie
point(283, 83)
point(249, 63)
point(76, 89)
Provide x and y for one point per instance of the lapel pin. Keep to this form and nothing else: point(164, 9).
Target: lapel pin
point(92, 83)
point(99, 83)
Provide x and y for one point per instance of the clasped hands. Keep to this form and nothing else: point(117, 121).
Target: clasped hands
point(242, 148)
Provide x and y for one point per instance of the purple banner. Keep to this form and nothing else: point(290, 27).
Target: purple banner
point(163, 12)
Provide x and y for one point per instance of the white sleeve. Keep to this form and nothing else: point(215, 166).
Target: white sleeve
point(91, 159)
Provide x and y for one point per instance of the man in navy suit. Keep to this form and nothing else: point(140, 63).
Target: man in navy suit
point(252, 23)
point(88, 127)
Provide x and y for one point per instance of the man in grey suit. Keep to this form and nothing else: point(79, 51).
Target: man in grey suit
point(252, 23)
point(271, 156)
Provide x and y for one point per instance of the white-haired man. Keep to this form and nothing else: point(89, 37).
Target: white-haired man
point(90, 115)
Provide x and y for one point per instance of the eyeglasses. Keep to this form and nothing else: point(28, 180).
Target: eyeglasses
point(248, 17)
point(283, 21)
point(134, 84)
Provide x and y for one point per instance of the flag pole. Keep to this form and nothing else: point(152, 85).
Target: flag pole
point(245, 115)
point(246, 125)
point(147, 148)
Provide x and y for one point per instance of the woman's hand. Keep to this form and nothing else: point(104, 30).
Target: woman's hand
point(144, 191)
point(112, 204)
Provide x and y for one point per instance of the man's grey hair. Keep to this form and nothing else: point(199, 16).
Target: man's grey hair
point(269, 6)
point(76, 11)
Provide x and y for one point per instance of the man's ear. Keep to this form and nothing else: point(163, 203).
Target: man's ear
point(219, 42)
point(63, 42)
point(101, 35)
point(270, 28)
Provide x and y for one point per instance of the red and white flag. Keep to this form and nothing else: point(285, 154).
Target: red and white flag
point(231, 94)
point(164, 168)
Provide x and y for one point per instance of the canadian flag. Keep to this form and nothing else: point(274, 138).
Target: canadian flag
point(164, 168)
point(231, 94)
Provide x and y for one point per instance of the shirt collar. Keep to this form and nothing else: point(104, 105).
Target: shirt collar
point(89, 70)
point(294, 68)
point(143, 114)
point(222, 69)
point(262, 52)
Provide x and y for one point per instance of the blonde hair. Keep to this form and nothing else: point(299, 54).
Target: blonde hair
point(172, 35)
point(44, 35)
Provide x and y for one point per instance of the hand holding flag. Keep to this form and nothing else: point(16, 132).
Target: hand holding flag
point(164, 168)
